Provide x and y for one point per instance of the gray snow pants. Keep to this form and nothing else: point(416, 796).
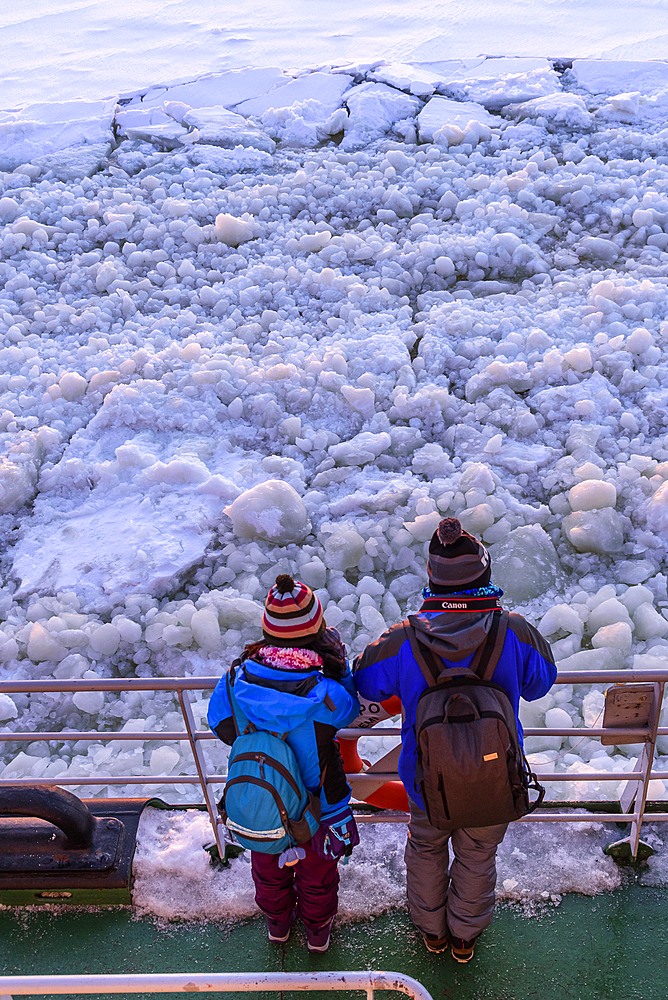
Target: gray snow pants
point(463, 897)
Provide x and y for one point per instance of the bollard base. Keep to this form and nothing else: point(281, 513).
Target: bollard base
point(620, 851)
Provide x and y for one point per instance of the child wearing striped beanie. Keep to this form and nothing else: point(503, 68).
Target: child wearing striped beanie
point(296, 682)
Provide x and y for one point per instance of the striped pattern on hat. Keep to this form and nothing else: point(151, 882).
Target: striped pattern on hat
point(458, 563)
point(292, 613)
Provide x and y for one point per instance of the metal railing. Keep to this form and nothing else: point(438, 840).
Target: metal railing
point(219, 982)
point(632, 800)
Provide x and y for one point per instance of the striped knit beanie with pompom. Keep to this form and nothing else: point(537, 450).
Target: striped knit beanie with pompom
point(293, 615)
point(457, 560)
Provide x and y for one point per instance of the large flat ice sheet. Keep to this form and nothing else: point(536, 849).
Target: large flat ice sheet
point(94, 49)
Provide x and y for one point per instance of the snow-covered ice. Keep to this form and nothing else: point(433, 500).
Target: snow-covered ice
point(282, 314)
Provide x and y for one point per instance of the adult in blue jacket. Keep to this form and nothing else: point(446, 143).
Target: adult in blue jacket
point(296, 682)
point(452, 907)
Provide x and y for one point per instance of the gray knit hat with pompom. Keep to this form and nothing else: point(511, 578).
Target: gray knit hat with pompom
point(456, 558)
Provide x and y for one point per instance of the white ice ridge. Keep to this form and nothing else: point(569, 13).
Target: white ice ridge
point(537, 864)
point(291, 341)
point(446, 101)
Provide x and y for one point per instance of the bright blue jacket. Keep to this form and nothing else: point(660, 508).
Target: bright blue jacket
point(388, 667)
point(303, 704)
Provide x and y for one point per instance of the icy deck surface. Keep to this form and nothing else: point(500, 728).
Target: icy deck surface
point(588, 947)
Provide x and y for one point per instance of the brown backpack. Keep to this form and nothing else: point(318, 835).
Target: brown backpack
point(471, 769)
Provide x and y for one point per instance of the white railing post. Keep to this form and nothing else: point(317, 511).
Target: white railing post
point(645, 765)
point(201, 765)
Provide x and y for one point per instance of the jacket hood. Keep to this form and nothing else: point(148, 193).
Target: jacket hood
point(453, 636)
point(276, 706)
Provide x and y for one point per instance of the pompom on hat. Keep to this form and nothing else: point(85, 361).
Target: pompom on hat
point(457, 560)
point(293, 615)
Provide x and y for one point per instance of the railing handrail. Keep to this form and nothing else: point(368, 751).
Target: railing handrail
point(74, 735)
point(218, 982)
point(209, 683)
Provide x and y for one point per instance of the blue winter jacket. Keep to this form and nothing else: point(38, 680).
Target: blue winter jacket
point(388, 667)
point(306, 706)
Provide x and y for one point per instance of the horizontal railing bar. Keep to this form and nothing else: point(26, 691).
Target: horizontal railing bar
point(642, 734)
point(208, 683)
point(380, 818)
point(356, 734)
point(69, 736)
point(590, 776)
point(121, 779)
point(66, 736)
point(537, 817)
point(225, 982)
point(590, 817)
point(611, 676)
point(368, 778)
point(113, 684)
point(360, 778)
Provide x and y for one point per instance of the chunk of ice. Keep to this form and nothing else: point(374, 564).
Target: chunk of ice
point(271, 511)
point(649, 624)
point(205, 629)
point(105, 639)
point(592, 494)
point(8, 709)
point(598, 531)
point(344, 548)
point(43, 646)
point(525, 563)
point(91, 702)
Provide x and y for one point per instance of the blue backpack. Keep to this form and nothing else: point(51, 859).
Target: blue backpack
point(266, 804)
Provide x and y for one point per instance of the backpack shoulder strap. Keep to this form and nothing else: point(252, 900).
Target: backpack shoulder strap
point(430, 664)
point(248, 727)
point(486, 658)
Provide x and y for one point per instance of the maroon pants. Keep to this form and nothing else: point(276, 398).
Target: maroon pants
point(312, 884)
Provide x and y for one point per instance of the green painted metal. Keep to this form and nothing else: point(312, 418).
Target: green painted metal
point(609, 947)
point(48, 896)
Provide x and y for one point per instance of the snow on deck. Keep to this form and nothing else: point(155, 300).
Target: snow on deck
point(174, 880)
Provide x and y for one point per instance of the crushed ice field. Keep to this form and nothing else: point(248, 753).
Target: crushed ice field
point(263, 323)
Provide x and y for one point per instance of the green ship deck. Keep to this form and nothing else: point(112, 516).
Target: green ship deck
point(607, 947)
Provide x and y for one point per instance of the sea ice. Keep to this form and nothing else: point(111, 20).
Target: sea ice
point(471, 327)
point(558, 109)
point(495, 83)
point(610, 76)
point(271, 511)
point(205, 628)
point(90, 702)
point(226, 128)
point(344, 547)
point(373, 109)
point(47, 128)
point(592, 494)
point(8, 709)
point(525, 563)
point(441, 113)
point(598, 531)
point(326, 89)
